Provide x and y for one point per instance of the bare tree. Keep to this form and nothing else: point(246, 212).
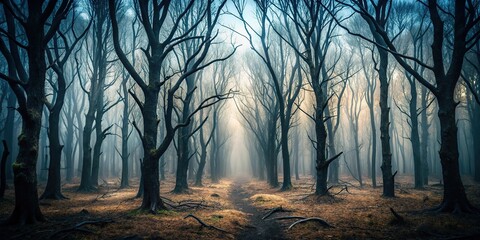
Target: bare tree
point(63, 45)
point(314, 28)
point(447, 73)
point(353, 113)
point(39, 25)
point(161, 26)
point(260, 112)
point(286, 87)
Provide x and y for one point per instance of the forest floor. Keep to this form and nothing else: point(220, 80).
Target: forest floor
point(240, 209)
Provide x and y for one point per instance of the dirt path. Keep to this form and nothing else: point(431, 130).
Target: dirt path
point(257, 228)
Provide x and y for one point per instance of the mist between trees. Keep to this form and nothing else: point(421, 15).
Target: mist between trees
point(148, 90)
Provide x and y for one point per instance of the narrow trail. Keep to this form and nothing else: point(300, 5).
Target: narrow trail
point(256, 228)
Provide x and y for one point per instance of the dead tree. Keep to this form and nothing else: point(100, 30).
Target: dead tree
point(97, 50)
point(39, 25)
point(222, 73)
point(126, 131)
point(66, 40)
point(382, 13)
point(471, 78)
point(286, 86)
point(310, 36)
point(260, 113)
point(353, 113)
point(162, 40)
point(447, 74)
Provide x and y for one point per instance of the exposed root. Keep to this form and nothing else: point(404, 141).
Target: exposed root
point(398, 219)
point(314, 219)
point(286, 188)
point(178, 190)
point(78, 227)
point(349, 184)
point(455, 208)
point(204, 224)
point(53, 196)
point(274, 210)
point(344, 188)
point(88, 189)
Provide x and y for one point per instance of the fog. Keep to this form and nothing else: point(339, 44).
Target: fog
point(331, 91)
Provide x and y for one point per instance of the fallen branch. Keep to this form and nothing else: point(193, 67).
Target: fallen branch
point(186, 204)
point(204, 224)
point(315, 219)
point(78, 227)
point(274, 210)
point(286, 218)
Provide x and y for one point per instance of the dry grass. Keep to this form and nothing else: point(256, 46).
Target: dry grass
point(359, 213)
point(120, 205)
point(362, 213)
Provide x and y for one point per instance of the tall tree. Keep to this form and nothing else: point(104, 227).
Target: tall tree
point(381, 10)
point(63, 45)
point(314, 28)
point(161, 26)
point(446, 70)
point(260, 112)
point(353, 113)
point(39, 21)
point(286, 86)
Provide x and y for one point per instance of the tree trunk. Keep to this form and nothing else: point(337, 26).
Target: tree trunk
point(297, 157)
point(181, 183)
point(334, 166)
point(388, 178)
point(9, 130)
point(357, 153)
point(140, 186)
point(476, 138)
point(27, 210)
point(374, 146)
point(414, 135)
point(201, 166)
point(213, 158)
point(321, 139)
point(183, 137)
point(85, 182)
point(424, 140)
point(100, 136)
point(151, 184)
point(125, 154)
point(69, 142)
point(287, 179)
point(53, 187)
point(3, 163)
point(454, 197)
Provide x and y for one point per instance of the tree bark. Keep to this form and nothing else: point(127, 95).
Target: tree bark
point(454, 197)
point(151, 184)
point(321, 141)
point(3, 163)
point(53, 187)
point(424, 136)
point(414, 135)
point(27, 210)
point(9, 128)
point(388, 178)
